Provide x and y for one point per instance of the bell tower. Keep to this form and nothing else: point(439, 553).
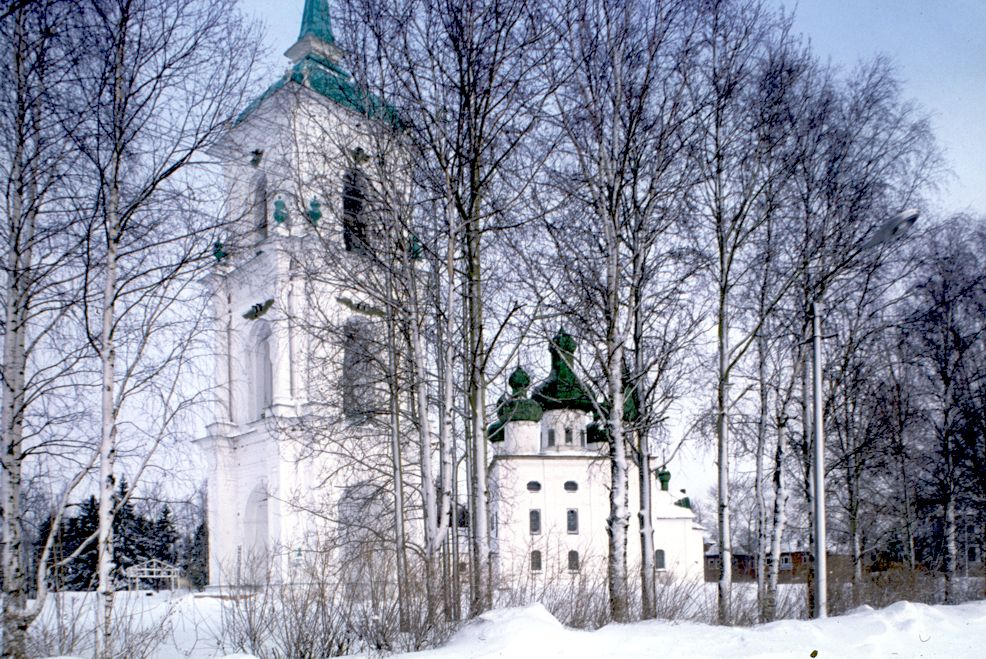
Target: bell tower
point(288, 162)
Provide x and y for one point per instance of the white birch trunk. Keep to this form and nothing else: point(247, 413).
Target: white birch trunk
point(777, 525)
point(14, 366)
point(435, 495)
point(648, 581)
point(619, 515)
point(758, 481)
point(20, 232)
point(445, 363)
point(482, 597)
point(107, 353)
point(107, 442)
point(724, 588)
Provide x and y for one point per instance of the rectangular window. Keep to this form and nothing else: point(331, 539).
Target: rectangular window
point(786, 562)
point(573, 561)
point(572, 520)
point(582, 437)
point(551, 436)
point(535, 522)
point(535, 561)
point(568, 436)
point(659, 559)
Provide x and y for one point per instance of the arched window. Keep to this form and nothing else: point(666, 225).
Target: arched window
point(572, 520)
point(364, 514)
point(253, 560)
point(258, 205)
point(535, 522)
point(573, 561)
point(262, 378)
point(659, 559)
point(535, 561)
point(355, 236)
point(568, 436)
point(358, 386)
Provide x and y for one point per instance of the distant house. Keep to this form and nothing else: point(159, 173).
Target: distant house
point(744, 565)
point(794, 566)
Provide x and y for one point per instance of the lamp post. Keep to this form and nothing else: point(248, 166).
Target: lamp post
point(887, 232)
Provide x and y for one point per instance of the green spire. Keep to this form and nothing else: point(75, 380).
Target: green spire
point(315, 21)
point(315, 40)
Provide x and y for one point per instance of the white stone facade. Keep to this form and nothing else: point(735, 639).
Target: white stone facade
point(566, 487)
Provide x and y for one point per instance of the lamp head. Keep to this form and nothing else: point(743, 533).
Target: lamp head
point(893, 227)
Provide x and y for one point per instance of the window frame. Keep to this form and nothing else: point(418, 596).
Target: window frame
point(572, 515)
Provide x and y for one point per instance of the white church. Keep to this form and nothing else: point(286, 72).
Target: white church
point(295, 164)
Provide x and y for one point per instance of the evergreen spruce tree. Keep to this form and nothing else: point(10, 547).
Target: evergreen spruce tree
point(163, 540)
point(80, 572)
point(195, 557)
point(132, 534)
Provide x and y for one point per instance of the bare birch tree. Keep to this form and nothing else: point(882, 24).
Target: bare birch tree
point(465, 79)
point(42, 343)
point(169, 78)
point(620, 176)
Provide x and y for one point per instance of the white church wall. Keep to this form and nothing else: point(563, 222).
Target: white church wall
point(535, 480)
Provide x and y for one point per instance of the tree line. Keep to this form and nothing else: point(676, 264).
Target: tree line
point(140, 537)
point(649, 176)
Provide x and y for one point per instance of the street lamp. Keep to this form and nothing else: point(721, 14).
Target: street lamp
point(889, 231)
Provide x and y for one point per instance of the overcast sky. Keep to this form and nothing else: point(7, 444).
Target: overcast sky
point(939, 47)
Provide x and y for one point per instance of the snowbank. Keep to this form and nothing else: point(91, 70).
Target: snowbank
point(190, 626)
point(903, 629)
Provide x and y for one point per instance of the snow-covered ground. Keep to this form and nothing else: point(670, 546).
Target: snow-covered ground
point(900, 630)
point(187, 625)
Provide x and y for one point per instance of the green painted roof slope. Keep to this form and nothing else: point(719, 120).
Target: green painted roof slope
point(330, 81)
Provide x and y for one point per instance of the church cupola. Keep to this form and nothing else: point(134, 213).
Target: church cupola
point(563, 390)
point(515, 406)
point(315, 37)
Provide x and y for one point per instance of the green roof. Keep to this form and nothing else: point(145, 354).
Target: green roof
point(330, 81)
point(515, 406)
point(563, 390)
